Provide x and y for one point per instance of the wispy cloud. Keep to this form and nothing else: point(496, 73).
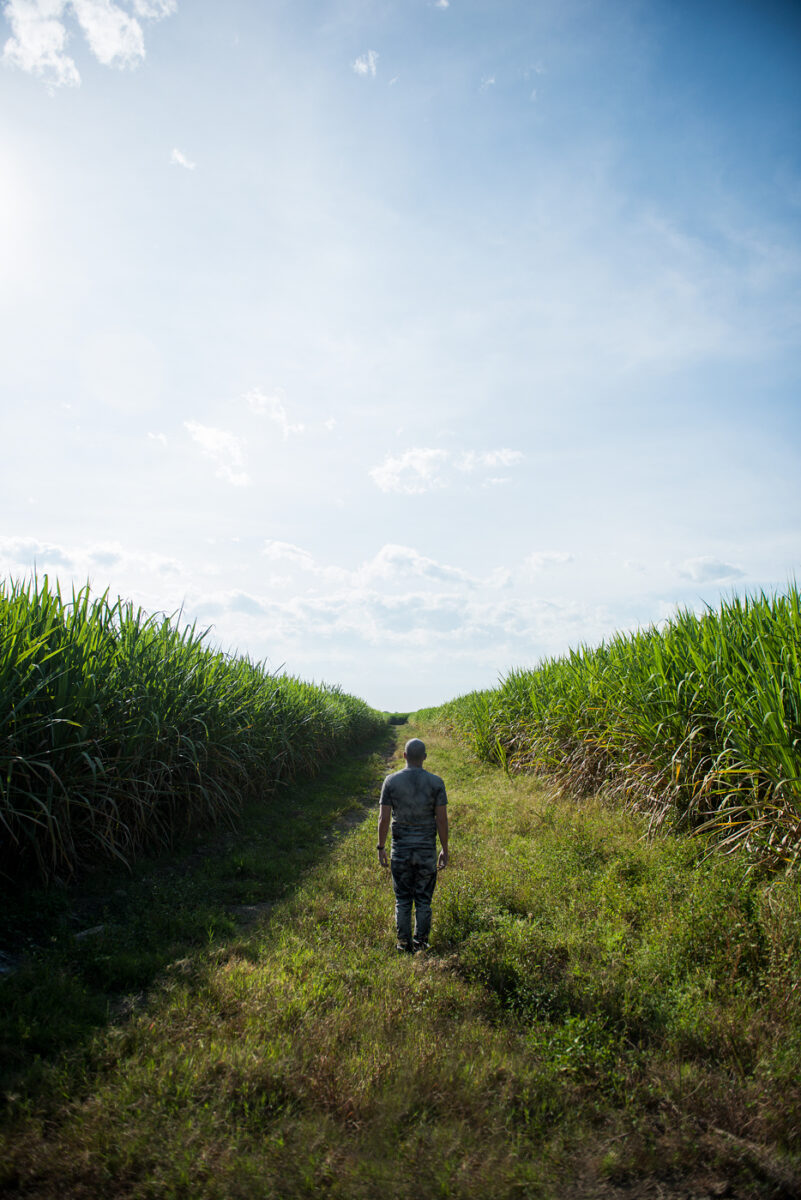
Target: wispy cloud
point(472, 460)
point(487, 81)
point(114, 37)
point(548, 559)
point(225, 450)
point(400, 597)
point(40, 34)
point(180, 160)
point(442, 3)
point(424, 469)
point(38, 40)
point(394, 567)
point(286, 552)
point(32, 552)
point(272, 406)
point(24, 554)
point(366, 64)
point(706, 569)
point(413, 472)
point(404, 563)
point(154, 10)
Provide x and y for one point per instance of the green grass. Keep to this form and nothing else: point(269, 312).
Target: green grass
point(68, 983)
point(598, 1011)
point(697, 723)
point(120, 731)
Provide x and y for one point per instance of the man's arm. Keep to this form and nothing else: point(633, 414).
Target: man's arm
point(441, 817)
point(385, 812)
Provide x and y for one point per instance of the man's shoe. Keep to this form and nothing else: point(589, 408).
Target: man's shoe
point(403, 948)
point(419, 946)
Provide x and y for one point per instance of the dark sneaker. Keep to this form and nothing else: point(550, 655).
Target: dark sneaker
point(419, 946)
point(403, 948)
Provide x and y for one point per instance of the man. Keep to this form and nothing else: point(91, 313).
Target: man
point(415, 801)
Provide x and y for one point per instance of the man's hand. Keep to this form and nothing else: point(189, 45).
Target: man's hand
point(441, 817)
point(385, 814)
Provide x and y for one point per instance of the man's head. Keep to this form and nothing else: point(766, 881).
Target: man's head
point(414, 752)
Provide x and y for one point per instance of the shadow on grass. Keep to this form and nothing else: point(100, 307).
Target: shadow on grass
point(73, 959)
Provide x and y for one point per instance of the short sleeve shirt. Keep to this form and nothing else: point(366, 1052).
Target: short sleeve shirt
point(413, 794)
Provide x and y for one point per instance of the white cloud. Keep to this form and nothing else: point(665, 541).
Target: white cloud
point(224, 449)
point(242, 602)
point(413, 472)
point(180, 160)
point(154, 10)
point(19, 555)
point(40, 34)
point(161, 438)
point(30, 552)
point(473, 459)
point(366, 64)
point(106, 556)
point(38, 41)
point(424, 469)
point(272, 406)
point(487, 81)
point(706, 569)
point(393, 567)
point(402, 562)
point(548, 559)
point(286, 552)
point(442, 3)
point(455, 618)
point(114, 37)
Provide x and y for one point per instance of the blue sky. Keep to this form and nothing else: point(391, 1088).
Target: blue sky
point(402, 343)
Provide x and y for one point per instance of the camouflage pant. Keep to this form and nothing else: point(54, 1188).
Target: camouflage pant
point(414, 877)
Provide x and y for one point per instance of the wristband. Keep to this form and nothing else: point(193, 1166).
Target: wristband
point(379, 847)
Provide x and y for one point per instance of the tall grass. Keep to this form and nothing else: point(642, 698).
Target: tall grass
point(119, 729)
point(697, 723)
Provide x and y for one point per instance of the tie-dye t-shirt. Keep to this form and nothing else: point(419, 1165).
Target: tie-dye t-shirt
point(413, 794)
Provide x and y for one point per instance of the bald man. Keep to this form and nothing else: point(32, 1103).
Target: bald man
point(415, 802)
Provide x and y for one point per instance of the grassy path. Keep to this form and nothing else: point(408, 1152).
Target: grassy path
point(597, 1016)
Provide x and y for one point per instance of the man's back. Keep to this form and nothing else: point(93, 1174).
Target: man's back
point(413, 795)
